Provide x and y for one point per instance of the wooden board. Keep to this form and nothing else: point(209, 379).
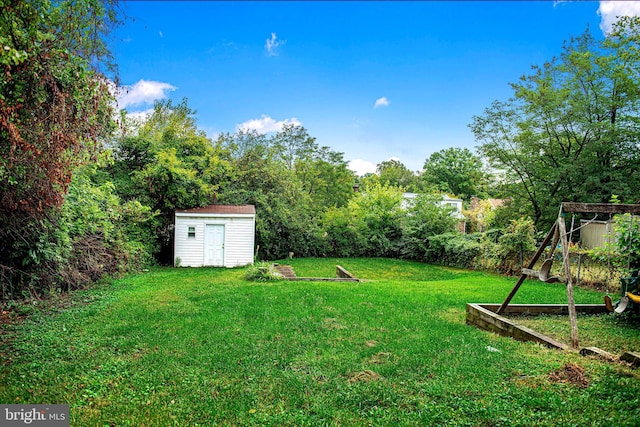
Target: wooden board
point(486, 319)
point(536, 309)
point(610, 208)
point(631, 357)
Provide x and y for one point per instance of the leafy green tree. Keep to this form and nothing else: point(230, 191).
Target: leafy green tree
point(426, 217)
point(167, 163)
point(325, 178)
point(291, 180)
point(259, 177)
point(292, 144)
point(393, 172)
point(569, 133)
point(456, 171)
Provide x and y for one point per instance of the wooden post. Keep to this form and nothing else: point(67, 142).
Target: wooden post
point(562, 228)
point(523, 276)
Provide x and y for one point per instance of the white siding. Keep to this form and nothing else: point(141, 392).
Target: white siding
point(594, 234)
point(239, 239)
point(190, 251)
point(239, 242)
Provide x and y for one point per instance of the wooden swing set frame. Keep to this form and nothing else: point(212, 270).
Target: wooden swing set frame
point(558, 234)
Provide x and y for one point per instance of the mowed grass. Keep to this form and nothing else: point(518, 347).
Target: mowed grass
point(189, 347)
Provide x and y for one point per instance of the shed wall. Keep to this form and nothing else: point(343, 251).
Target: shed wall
point(239, 239)
point(595, 234)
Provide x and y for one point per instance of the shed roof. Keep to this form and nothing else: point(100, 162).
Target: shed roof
point(221, 210)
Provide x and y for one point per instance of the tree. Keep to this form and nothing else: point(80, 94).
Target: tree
point(260, 177)
point(426, 217)
point(369, 225)
point(291, 180)
point(456, 171)
point(393, 172)
point(167, 163)
point(292, 144)
point(55, 109)
point(569, 133)
point(326, 178)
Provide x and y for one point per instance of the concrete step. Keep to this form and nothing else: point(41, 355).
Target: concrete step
point(286, 271)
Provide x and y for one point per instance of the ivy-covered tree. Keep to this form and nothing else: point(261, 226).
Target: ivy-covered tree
point(55, 108)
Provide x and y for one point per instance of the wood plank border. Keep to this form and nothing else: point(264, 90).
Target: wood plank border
point(484, 316)
point(342, 275)
point(322, 279)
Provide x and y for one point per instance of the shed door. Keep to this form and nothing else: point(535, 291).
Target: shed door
point(214, 245)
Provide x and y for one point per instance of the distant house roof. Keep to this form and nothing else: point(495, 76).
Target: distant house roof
point(221, 210)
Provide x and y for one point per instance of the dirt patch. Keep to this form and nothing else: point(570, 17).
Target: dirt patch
point(364, 376)
point(570, 374)
point(371, 343)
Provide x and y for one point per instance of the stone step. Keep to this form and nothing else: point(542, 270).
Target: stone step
point(286, 271)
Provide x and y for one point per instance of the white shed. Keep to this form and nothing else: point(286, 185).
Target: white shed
point(214, 235)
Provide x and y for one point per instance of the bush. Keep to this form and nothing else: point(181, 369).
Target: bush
point(518, 239)
point(262, 272)
point(455, 249)
point(622, 249)
point(425, 218)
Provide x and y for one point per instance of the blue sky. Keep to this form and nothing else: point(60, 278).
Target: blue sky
point(373, 80)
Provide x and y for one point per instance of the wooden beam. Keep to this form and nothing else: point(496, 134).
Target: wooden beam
point(486, 319)
point(595, 351)
point(609, 208)
point(567, 273)
point(342, 273)
point(523, 276)
point(631, 357)
point(555, 309)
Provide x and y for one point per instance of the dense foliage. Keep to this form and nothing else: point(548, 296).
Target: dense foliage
point(81, 197)
point(291, 180)
point(55, 108)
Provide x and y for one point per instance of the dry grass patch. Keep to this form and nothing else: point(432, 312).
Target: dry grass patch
point(379, 358)
point(333, 324)
point(364, 376)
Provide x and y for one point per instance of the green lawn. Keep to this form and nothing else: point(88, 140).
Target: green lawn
point(190, 347)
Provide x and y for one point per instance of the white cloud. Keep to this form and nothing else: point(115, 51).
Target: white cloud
point(610, 11)
point(272, 44)
point(144, 92)
point(266, 124)
point(361, 167)
point(381, 102)
point(140, 116)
